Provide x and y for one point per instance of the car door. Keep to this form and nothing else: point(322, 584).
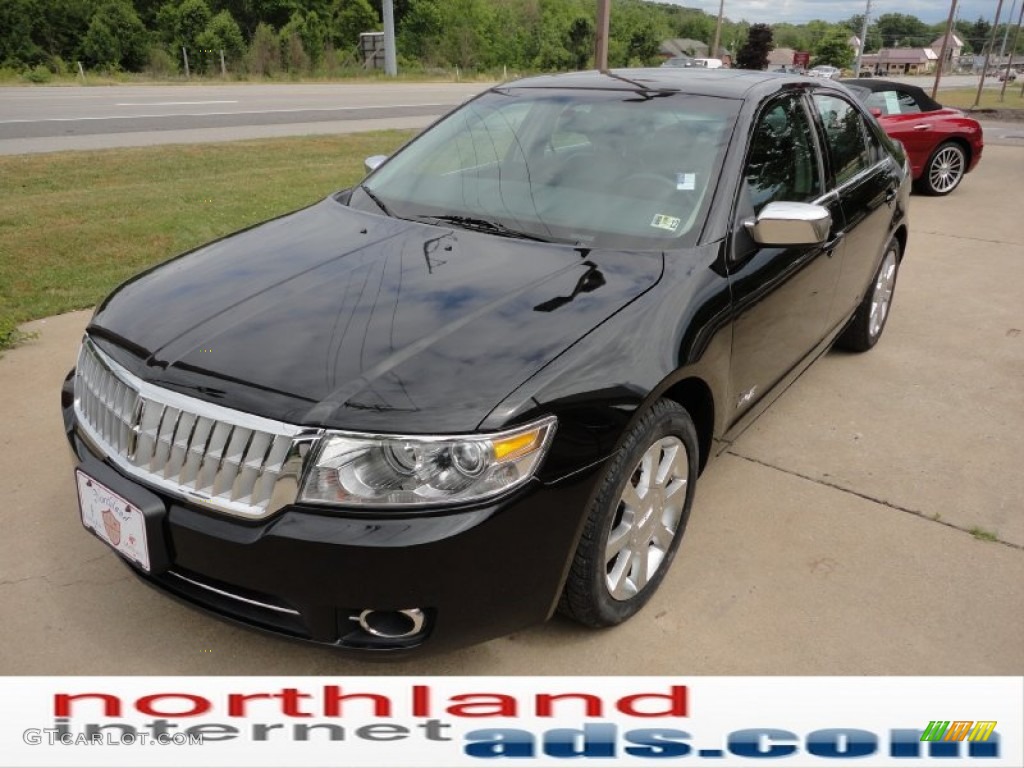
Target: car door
point(866, 182)
point(903, 119)
point(781, 296)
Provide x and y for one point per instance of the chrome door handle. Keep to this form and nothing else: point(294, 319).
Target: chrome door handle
point(922, 127)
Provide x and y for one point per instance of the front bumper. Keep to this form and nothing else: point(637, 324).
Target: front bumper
point(477, 573)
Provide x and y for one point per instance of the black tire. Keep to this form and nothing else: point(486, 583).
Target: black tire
point(587, 597)
point(864, 330)
point(944, 170)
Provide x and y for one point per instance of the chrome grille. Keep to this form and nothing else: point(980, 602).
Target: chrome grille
point(225, 459)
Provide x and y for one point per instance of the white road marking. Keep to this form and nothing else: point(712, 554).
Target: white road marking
point(219, 114)
point(170, 103)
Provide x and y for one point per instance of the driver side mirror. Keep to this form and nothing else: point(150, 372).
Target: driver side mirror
point(373, 162)
point(783, 224)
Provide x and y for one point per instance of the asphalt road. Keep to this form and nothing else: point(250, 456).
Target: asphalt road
point(57, 118)
point(846, 532)
point(51, 119)
point(947, 82)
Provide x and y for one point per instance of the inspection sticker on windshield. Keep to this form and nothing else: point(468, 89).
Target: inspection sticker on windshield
point(686, 181)
point(661, 221)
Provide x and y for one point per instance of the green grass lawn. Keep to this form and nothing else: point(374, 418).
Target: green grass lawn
point(963, 98)
point(75, 224)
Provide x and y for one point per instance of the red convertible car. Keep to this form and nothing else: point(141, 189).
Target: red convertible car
point(943, 143)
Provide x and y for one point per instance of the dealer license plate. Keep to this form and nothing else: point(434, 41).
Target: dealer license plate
point(113, 518)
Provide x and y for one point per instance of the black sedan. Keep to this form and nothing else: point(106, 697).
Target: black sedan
point(480, 386)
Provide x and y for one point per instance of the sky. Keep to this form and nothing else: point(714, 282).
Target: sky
point(799, 11)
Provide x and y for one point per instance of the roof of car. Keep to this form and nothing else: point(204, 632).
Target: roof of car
point(925, 101)
point(730, 83)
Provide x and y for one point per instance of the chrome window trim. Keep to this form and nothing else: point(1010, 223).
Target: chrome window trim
point(859, 176)
point(837, 191)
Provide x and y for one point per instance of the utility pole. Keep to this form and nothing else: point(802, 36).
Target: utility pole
point(390, 59)
point(718, 31)
point(988, 54)
point(601, 35)
point(1002, 48)
point(1013, 47)
point(864, 38)
point(945, 47)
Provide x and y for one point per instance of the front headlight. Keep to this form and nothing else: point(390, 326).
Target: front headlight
point(415, 471)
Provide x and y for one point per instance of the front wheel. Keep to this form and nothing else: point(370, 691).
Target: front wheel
point(636, 520)
point(945, 169)
point(868, 322)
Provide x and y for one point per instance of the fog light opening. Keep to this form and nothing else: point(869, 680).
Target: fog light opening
point(392, 625)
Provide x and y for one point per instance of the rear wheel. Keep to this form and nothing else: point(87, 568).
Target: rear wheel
point(869, 320)
point(945, 169)
point(636, 521)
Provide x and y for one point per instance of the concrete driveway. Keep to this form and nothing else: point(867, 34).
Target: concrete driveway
point(835, 537)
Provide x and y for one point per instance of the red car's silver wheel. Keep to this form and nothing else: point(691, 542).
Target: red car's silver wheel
point(945, 169)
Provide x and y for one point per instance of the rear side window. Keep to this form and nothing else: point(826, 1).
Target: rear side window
point(846, 136)
point(893, 103)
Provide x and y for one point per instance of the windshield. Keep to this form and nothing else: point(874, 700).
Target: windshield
point(594, 168)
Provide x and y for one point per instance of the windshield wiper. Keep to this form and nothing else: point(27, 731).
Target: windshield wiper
point(486, 225)
point(376, 200)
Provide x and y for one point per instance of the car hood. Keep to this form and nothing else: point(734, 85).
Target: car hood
point(334, 317)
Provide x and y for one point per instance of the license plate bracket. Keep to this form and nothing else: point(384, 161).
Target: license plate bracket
point(127, 518)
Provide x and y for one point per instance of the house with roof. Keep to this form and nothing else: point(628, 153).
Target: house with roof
point(955, 49)
point(685, 46)
point(900, 61)
point(780, 57)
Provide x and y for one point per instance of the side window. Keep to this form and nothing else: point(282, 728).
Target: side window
point(908, 104)
point(845, 135)
point(782, 163)
point(892, 102)
point(875, 149)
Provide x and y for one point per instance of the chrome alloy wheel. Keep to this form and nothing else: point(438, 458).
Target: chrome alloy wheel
point(946, 169)
point(647, 519)
point(881, 297)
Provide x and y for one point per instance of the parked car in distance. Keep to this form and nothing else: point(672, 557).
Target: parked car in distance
point(709, 63)
point(1009, 76)
point(944, 144)
point(481, 384)
point(680, 62)
point(825, 71)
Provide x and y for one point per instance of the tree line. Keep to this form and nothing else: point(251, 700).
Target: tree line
point(311, 37)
